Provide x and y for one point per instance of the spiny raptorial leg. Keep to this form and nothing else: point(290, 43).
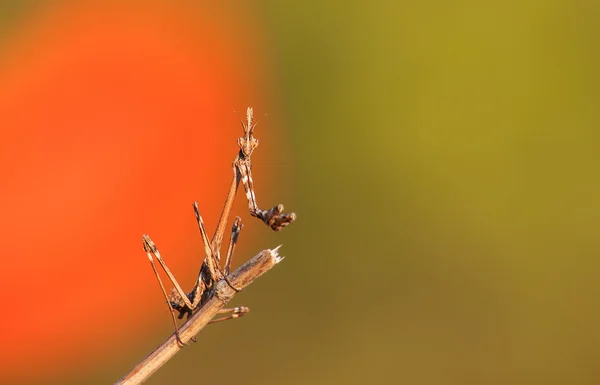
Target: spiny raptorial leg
point(274, 218)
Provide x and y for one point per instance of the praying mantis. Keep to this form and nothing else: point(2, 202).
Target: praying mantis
point(211, 271)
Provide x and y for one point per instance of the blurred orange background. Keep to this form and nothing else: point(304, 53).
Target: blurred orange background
point(115, 118)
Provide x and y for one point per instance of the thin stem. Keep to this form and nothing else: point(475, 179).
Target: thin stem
point(224, 292)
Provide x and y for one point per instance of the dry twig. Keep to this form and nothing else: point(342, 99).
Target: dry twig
point(224, 291)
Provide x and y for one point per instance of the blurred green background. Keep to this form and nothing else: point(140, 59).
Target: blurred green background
point(446, 185)
point(442, 160)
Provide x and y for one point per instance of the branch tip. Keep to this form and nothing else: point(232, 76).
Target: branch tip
point(275, 254)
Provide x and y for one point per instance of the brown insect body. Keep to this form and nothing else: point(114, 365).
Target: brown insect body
point(210, 271)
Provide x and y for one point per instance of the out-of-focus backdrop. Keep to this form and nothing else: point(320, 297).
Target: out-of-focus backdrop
point(442, 158)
